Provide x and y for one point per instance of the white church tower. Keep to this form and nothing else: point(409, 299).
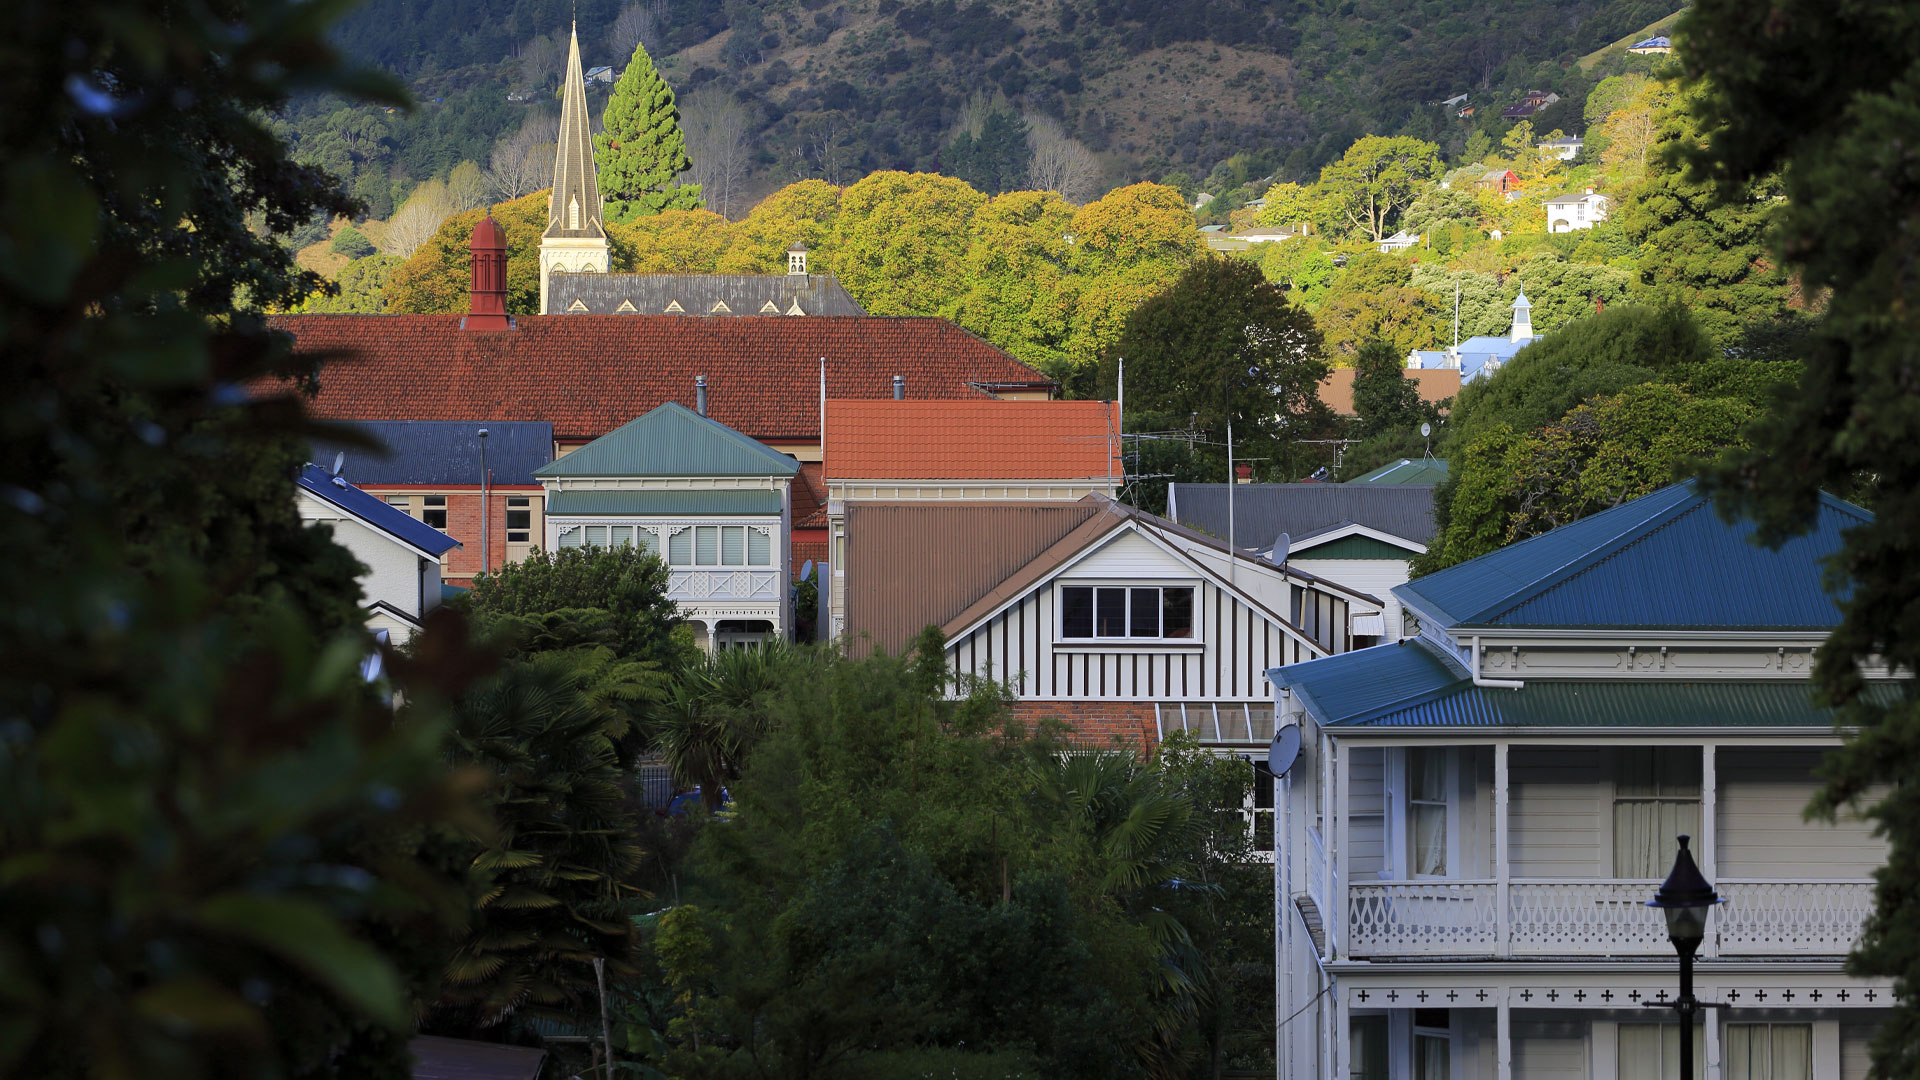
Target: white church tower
point(575, 241)
point(1522, 319)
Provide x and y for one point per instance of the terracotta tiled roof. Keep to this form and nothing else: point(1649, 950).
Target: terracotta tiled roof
point(1436, 384)
point(588, 374)
point(971, 440)
point(809, 497)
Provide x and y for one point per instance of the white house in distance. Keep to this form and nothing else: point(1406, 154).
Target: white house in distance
point(1574, 211)
point(712, 503)
point(1481, 812)
point(1564, 148)
point(1481, 355)
point(1657, 45)
point(1399, 241)
point(401, 555)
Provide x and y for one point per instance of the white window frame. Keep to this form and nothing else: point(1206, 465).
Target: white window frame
point(1060, 613)
point(1399, 812)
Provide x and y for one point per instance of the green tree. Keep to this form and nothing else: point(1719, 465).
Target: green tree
point(676, 241)
point(352, 243)
point(438, 277)
point(718, 711)
point(1127, 245)
point(363, 288)
point(583, 596)
point(1837, 130)
point(1377, 178)
point(900, 241)
point(1508, 485)
point(553, 869)
point(801, 212)
point(1385, 399)
point(1021, 290)
point(641, 150)
point(215, 861)
point(1373, 301)
point(994, 160)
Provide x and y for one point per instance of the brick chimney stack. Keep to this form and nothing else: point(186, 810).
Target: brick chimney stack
point(487, 303)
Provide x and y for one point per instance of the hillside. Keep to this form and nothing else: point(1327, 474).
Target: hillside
point(839, 88)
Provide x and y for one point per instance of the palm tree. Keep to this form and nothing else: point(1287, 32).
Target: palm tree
point(552, 874)
point(717, 712)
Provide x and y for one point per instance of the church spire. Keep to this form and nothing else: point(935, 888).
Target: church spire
point(574, 208)
point(575, 241)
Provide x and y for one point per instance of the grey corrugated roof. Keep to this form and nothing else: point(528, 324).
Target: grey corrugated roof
point(436, 1058)
point(672, 440)
point(761, 503)
point(1261, 512)
point(441, 452)
point(1664, 561)
point(698, 294)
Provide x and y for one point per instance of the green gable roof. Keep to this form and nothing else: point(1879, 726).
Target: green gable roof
point(672, 440)
point(1421, 471)
point(654, 503)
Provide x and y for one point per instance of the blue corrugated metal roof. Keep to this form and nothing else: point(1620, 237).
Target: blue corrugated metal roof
point(1366, 681)
point(673, 440)
point(442, 452)
point(1665, 560)
point(374, 512)
point(759, 503)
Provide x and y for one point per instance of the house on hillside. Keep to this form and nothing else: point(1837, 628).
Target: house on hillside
point(1126, 625)
point(1360, 536)
point(1399, 241)
point(1478, 357)
point(1573, 211)
point(1500, 180)
point(1532, 102)
point(603, 75)
point(1481, 812)
point(904, 450)
point(1564, 148)
point(400, 556)
point(714, 504)
point(1657, 45)
point(431, 470)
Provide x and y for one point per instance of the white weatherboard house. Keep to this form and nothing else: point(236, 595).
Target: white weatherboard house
point(1480, 812)
point(1577, 210)
point(400, 556)
point(714, 504)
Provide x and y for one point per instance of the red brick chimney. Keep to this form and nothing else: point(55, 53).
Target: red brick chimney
point(487, 303)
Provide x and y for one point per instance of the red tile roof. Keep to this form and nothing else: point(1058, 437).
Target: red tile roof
point(588, 374)
point(809, 497)
point(972, 440)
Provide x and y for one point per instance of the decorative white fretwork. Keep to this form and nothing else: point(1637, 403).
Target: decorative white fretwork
point(1422, 918)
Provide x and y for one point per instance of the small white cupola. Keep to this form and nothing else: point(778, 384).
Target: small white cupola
point(1522, 319)
point(797, 259)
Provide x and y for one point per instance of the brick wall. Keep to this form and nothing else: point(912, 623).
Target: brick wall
point(1099, 722)
point(463, 524)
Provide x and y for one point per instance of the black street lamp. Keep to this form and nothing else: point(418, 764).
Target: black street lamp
point(1685, 898)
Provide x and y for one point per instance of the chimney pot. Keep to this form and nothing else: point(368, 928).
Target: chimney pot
point(700, 394)
point(899, 388)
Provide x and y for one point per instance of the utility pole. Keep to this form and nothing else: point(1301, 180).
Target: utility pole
point(485, 565)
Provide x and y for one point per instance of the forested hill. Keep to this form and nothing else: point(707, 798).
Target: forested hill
point(838, 88)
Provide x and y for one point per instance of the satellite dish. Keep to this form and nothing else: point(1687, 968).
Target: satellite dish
point(806, 571)
point(1281, 545)
point(339, 462)
point(1284, 751)
point(1426, 430)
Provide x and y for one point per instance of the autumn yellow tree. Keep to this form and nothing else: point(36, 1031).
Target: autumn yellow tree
point(1021, 293)
point(1127, 246)
point(437, 277)
point(675, 241)
point(900, 241)
point(803, 212)
point(1631, 131)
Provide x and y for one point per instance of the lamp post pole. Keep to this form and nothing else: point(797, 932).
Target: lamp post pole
point(1685, 898)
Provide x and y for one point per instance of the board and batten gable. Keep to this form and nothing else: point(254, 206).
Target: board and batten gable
point(1235, 639)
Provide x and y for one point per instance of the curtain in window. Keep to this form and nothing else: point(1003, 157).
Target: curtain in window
point(1652, 1051)
point(1656, 798)
point(1769, 1052)
point(1430, 1060)
point(1427, 810)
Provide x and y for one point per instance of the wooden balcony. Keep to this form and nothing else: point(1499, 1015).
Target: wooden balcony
point(1596, 918)
point(725, 583)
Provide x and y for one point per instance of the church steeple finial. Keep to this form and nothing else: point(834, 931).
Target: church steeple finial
point(575, 240)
